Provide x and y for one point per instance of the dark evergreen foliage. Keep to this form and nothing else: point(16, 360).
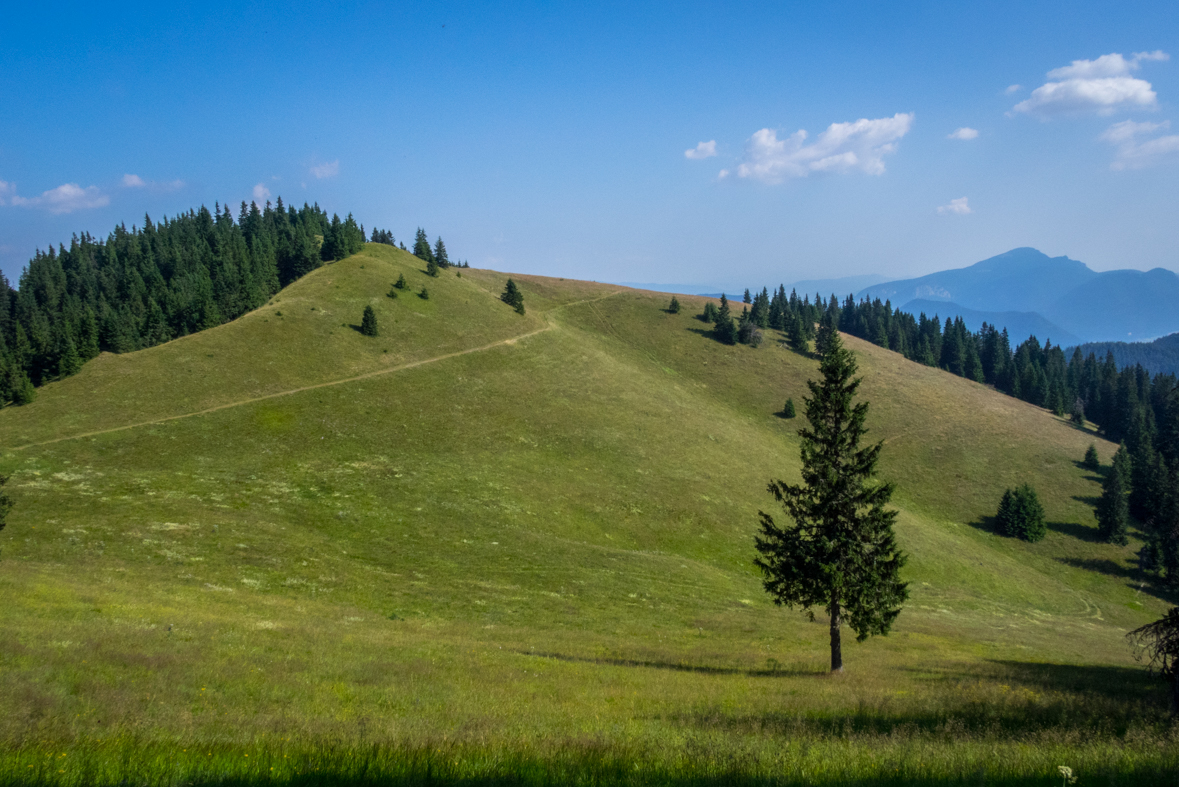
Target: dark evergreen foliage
point(1091, 460)
point(424, 294)
point(432, 268)
point(838, 550)
point(368, 323)
point(1021, 515)
point(421, 246)
point(674, 306)
point(383, 236)
point(440, 256)
point(392, 293)
point(709, 314)
point(513, 297)
point(1113, 507)
point(401, 283)
point(144, 286)
point(788, 410)
point(724, 330)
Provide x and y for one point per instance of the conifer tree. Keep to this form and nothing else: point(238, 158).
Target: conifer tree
point(401, 284)
point(709, 314)
point(513, 297)
point(748, 298)
point(1021, 515)
point(795, 336)
point(70, 362)
point(21, 387)
point(1091, 460)
point(674, 306)
point(788, 410)
point(724, 330)
point(368, 324)
point(424, 294)
point(431, 267)
point(440, 256)
point(839, 551)
point(392, 291)
point(421, 246)
point(1113, 507)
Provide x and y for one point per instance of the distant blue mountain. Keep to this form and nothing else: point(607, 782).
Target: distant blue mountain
point(1019, 325)
point(1091, 306)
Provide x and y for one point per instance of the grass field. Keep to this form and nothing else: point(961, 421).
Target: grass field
point(493, 548)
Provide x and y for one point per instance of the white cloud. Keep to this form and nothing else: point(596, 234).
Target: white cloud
point(1135, 154)
point(66, 198)
point(963, 133)
point(1102, 85)
point(1013, 89)
point(6, 190)
point(843, 147)
point(329, 170)
point(261, 193)
point(703, 150)
point(724, 173)
point(133, 182)
point(958, 207)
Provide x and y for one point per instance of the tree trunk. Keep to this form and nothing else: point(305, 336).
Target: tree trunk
point(836, 622)
point(1175, 695)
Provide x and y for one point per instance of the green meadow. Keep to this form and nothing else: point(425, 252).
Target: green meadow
point(486, 548)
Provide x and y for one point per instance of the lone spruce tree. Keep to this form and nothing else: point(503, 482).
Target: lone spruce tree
point(368, 323)
point(513, 297)
point(838, 551)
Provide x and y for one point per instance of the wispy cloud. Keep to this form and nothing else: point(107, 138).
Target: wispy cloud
point(842, 147)
point(7, 191)
point(957, 207)
point(136, 182)
point(1013, 89)
point(963, 133)
point(66, 198)
point(1102, 85)
point(261, 193)
point(1134, 152)
point(328, 170)
point(703, 150)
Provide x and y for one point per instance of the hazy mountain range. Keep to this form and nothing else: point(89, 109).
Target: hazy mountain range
point(1029, 292)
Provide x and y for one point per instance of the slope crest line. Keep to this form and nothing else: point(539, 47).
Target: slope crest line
point(342, 381)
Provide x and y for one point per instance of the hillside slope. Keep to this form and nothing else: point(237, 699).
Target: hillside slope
point(493, 528)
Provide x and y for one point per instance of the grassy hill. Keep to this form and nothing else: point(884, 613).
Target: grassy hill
point(485, 545)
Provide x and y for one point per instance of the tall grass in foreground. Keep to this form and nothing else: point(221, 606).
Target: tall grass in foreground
point(1142, 757)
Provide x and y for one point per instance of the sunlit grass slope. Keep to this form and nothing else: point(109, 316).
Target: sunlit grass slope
point(539, 546)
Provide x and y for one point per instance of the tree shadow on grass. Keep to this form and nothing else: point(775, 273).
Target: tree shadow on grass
point(774, 672)
point(993, 699)
point(355, 328)
point(1078, 531)
point(1136, 578)
point(1097, 476)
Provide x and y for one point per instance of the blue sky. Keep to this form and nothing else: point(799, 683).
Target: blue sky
point(553, 138)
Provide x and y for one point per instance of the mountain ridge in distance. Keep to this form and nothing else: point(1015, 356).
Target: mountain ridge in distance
point(1092, 306)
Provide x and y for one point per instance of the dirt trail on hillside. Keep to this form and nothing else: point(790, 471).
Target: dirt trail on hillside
point(342, 381)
